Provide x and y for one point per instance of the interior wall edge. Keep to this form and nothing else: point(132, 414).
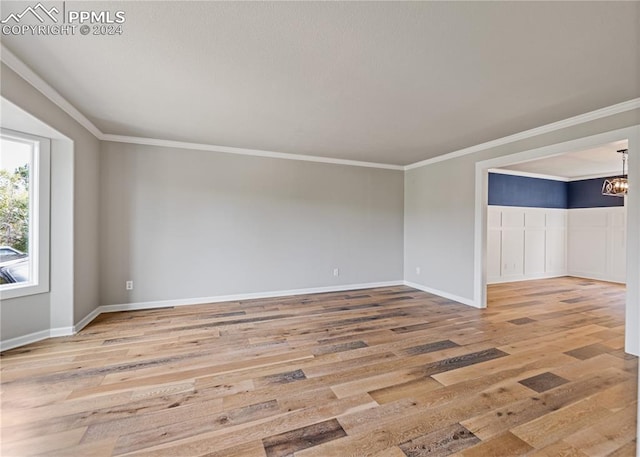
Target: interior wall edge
point(443, 294)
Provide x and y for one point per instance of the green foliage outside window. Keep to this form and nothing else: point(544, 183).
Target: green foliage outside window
point(14, 208)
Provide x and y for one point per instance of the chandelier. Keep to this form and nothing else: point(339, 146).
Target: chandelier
point(617, 187)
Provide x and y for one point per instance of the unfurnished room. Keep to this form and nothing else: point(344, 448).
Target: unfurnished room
point(319, 229)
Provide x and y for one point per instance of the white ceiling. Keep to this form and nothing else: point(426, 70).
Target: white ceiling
point(387, 82)
point(601, 161)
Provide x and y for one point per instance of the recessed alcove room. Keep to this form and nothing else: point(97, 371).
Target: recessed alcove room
point(544, 225)
point(268, 229)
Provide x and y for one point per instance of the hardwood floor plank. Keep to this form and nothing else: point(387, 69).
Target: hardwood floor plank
point(408, 389)
point(629, 449)
point(383, 372)
point(259, 429)
point(543, 382)
point(522, 320)
point(128, 442)
point(541, 405)
point(430, 347)
point(607, 434)
point(45, 444)
point(560, 449)
point(565, 421)
point(440, 443)
point(502, 445)
point(282, 378)
point(290, 442)
point(179, 376)
point(340, 347)
point(135, 421)
point(392, 451)
point(102, 448)
point(251, 449)
point(589, 351)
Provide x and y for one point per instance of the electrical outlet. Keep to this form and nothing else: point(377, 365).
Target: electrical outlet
point(336, 272)
point(417, 270)
point(129, 285)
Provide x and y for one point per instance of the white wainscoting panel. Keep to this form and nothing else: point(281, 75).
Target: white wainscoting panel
point(494, 255)
point(556, 251)
point(525, 243)
point(597, 243)
point(534, 251)
point(512, 260)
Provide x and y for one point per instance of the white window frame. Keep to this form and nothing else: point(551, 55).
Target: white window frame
point(39, 216)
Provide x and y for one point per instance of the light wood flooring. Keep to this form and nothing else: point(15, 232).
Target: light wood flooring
point(386, 372)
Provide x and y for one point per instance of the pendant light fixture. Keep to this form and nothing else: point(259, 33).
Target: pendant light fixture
point(617, 187)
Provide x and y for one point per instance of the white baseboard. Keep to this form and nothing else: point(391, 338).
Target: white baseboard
point(25, 339)
point(87, 320)
point(249, 296)
point(35, 337)
point(526, 278)
point(61, 331)
point(65, 331)
point(579, 274)
point(440, 293)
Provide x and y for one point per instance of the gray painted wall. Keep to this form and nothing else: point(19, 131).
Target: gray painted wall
point(24, 315)
point(74, 223)
point(188, 224)
point(61, 246)
point(86, 261)
point(439, 226)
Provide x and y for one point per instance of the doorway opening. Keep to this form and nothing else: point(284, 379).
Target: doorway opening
point(631, 224)
point(548, 218)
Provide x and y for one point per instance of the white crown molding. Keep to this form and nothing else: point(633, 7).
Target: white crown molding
point(25, 72)
point(526, 174)
point(594, 176)
point(548, 128)
point(17, 65)
point(242, 151)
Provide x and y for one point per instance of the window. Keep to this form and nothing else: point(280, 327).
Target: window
point(24, 214)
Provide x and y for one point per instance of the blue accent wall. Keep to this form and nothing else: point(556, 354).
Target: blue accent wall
point(587, 193)
point(508, 190)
